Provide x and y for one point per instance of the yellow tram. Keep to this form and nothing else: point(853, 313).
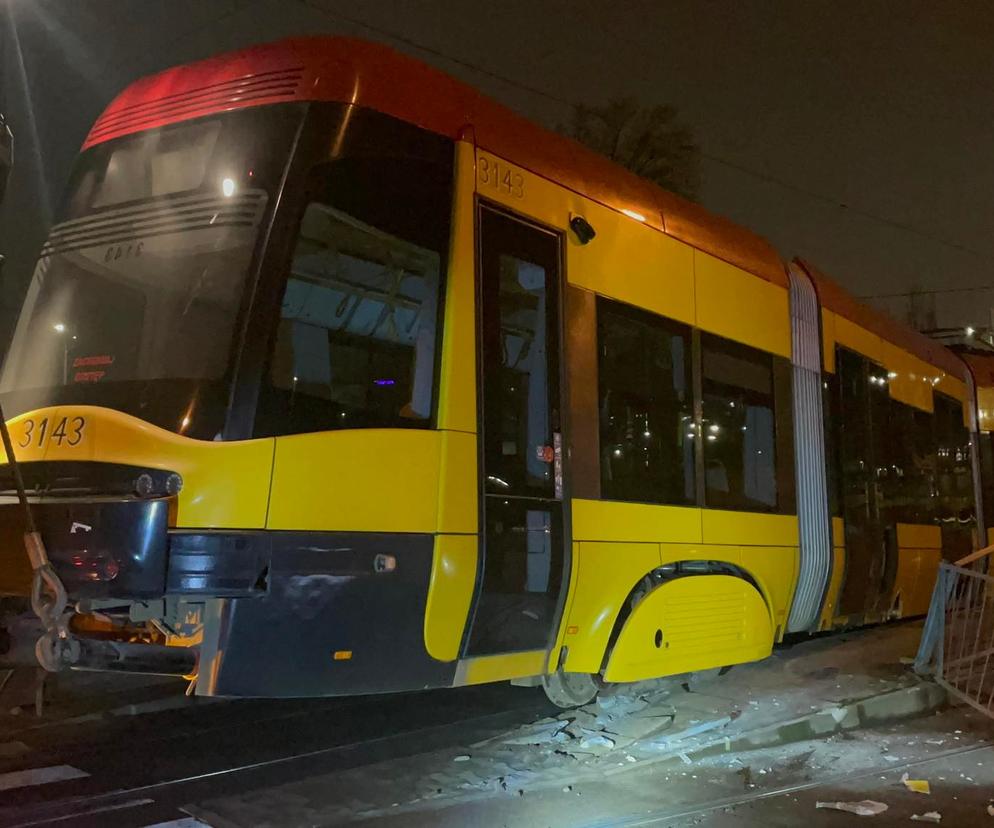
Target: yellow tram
point(337, 377)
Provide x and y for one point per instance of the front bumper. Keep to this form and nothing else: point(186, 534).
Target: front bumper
point(101, 549)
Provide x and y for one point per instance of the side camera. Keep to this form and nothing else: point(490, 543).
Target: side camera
point(580, 226)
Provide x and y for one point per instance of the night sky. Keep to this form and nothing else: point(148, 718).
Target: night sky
point(859, 135)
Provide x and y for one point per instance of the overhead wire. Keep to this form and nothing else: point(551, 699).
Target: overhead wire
point(716, 159)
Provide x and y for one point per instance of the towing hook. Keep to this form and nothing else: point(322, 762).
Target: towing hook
point(57, 649)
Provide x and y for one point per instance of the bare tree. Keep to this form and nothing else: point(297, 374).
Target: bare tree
point(648, 140)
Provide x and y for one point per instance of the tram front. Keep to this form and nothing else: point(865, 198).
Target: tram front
point(222, 276)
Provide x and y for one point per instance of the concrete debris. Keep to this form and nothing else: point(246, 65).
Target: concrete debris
point(596, 740)
point(537, 734)
point(685, 759)
point(865, 807)
point(640, 726)
point(461, 758)
point(930, 816)
point(671, 739)
point(916, 785)
point(990, 810)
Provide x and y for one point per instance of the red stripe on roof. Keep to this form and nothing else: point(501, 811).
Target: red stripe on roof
point(379, 78)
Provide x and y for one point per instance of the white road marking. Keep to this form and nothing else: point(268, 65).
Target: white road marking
point(185, 822)
point(39, 776)
point(119, 806)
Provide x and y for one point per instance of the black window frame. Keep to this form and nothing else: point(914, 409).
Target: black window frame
point(324, 139)
point(781, 384)
point(782, 438)
point(605, 307)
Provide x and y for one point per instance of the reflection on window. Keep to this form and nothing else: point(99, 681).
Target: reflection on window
point(521, 580)
point(738, 426)
point(646, 407)
point(155, 163)
point(523, 418)
point(356, 343)
point(954, 478)
point(906, 469)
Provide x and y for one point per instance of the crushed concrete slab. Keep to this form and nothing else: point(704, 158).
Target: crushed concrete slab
point(768, 705)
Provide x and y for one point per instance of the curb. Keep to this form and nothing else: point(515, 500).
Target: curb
point(872, 711)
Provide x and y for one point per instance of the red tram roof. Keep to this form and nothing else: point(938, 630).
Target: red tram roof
point(838, 300)
point(377, 77)
point(382, 79)
point(981, 366)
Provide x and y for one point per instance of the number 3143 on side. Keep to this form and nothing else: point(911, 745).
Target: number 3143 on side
point(65, 431)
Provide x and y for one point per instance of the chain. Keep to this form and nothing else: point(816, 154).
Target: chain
point(48, 593)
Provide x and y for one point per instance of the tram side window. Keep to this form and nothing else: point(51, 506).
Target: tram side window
point(954, 478)
point(832, 408)
point(358, 329)
point(906, 471)
point(646, 406)
point(738, 426)
point(987, 475)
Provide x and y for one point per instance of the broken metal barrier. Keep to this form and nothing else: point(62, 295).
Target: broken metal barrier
point(957, 646)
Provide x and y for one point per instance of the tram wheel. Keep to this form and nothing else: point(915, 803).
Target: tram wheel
point(568, 690)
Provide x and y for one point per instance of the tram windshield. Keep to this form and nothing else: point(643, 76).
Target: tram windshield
point(136, 297)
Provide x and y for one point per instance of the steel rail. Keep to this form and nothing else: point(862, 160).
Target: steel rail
point(668, 815)
point(78, 806)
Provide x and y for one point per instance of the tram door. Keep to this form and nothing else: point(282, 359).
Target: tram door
point(870, 561)
point(520, 436)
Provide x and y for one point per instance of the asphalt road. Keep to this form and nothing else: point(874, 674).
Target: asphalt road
point(120, 771)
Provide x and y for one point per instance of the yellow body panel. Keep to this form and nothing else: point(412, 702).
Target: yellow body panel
point(919, 553)
point(457, 486)
point(838, 532)
point(485, 669)
point(832, 596)
point(724, 292)
point(952, 386)
point(635, 264)
point(457, 376)
point(919, 536)
point(828, 340)
point(748, 528)
point(225, 485)
point(612, 520)
point(555, 652)
point(367, 480)
point(985, 404)
point(916, 573)
point(605, 574)
point(450, 592)
point(539, 198)
point(856, 338)
point(699, 622)
point(909, 378)
point(630, 260)
point(773, 567)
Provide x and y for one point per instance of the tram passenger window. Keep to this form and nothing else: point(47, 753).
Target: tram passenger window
point(954, 478)
point(906, 470)
point(646, 406)
point(738, 426)
point(358, 331)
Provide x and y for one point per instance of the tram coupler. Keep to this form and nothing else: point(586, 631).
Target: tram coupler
point(25, 643)
point(127, 657)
